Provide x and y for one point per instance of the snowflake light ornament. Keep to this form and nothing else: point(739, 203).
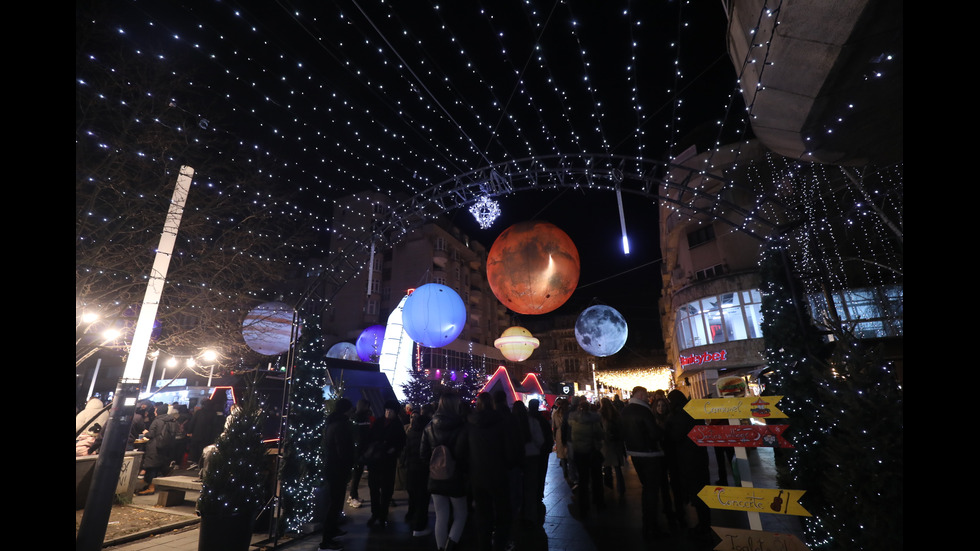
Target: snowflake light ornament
point(485, 210)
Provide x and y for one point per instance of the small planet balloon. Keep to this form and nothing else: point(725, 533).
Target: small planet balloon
point(433, 315)
point(267, 328)
point(369, 343)
point(533, 267)
point(601, 330)
point(516, 344)
point(343, 351)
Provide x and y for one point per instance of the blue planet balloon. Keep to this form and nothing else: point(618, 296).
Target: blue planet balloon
point(601, 330)
point(369, 343)
point(433, 315)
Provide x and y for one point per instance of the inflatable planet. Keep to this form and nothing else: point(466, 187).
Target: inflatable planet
point(433, 315)
point(267, 328)
point(533, 267)
point(516, 344)
point(343, 351)
point(369, 343)
point(601, 330)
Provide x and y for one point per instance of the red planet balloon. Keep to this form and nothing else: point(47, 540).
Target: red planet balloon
point(533, 267)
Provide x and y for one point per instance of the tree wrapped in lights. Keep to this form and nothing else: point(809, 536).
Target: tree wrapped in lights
point(301, 473)
point(846, 422)
point(466, 381)
point(233, 482)
point(138, 119)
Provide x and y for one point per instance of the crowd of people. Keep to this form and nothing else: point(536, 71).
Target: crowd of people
point(483, 465)
point(171, 436)
point(493, 458)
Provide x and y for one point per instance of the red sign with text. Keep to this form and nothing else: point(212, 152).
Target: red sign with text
point(740, 436)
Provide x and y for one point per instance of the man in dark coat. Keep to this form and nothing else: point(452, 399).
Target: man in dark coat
point(387, 435)
point(687, 463)
point(338, 462)
point(491, 455)
point(644, 445)
point(159, 452)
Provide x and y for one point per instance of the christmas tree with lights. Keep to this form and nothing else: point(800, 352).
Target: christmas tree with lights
point(418, 389)
point(233, 481)
point(301, 473)
point(846, 423)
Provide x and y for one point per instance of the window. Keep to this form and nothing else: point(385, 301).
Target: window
point(709, 273)
point(440, 243)
point(700, 236)
point(870, 312)
point(722, 318)
point(372, 307)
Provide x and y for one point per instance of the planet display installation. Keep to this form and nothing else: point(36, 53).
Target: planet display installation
point(601, 330)
point(533, 267)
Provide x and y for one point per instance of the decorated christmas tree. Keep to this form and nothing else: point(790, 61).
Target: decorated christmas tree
point(301, 472)
point(846, 422)
point(233, 481)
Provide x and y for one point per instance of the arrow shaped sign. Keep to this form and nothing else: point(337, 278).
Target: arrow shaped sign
point(747, 407)
point(735, 539)
point(743, 436)
point(754, 500)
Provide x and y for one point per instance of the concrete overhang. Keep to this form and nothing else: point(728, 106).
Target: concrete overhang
point(825, 84)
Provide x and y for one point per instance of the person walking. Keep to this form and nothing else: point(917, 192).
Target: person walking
point(533, 438)
point(643, 438)
point(449, 495)
point(337, 451)
point(362, 425)
point(559, 429)
point(613, 448)
point(203, 430)
point(688, 464)
point(491, 454)
point(534, 412)
point(387, 438)
point(417, 473)
point(586, 441)
point(159, 448)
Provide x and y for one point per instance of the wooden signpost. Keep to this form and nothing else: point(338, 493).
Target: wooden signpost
point(754, 500)
point(735, 539)
point(746, 407)
point(746, 436)
point(737, 406)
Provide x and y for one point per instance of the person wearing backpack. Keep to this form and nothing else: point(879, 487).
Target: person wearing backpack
point(445, 447)
point(162, 436)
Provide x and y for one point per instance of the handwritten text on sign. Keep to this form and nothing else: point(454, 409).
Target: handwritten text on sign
point(754, 500)
point(749, 407)
point(736, 539)
point(741, 436)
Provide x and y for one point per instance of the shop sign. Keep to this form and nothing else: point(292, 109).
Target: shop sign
point(700, 359)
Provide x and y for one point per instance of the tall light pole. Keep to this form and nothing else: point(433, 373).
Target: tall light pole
point(98, 506)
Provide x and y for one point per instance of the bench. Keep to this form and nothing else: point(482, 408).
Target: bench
point(171, 490)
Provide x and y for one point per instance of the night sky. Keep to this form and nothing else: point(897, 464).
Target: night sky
point(334, 97)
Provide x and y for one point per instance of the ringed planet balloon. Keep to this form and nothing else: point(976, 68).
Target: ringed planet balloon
point(369, 343)
point(601, 330)
point(516, 344)
point(267, 328)
point(433, 315)
point(533, 267)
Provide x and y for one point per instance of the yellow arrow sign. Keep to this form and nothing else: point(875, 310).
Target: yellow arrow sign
point(748, 407)
point(754, 500)
point(735, 539)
